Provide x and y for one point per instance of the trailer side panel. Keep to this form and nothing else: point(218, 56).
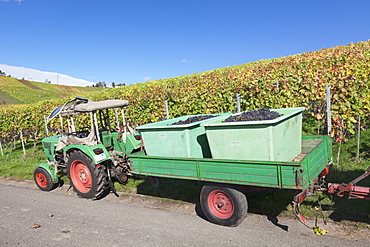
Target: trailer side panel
point(297, 174)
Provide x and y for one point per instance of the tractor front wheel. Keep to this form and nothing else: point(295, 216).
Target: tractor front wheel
point(43, 179)
point(88, 180)
point(223, 204)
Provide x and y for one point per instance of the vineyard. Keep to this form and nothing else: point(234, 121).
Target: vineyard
point(292, 81)
point(13, 91)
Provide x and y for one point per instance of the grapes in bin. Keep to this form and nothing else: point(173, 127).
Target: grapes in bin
point(194, 119)
point(255, 115)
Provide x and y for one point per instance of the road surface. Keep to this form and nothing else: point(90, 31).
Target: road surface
point(66, 220)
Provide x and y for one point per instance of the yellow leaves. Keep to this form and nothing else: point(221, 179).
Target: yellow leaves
point(318, 231)
point(332, 134)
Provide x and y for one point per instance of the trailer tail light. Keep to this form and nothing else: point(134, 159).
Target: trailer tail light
point(324, 172)
point(98, 151)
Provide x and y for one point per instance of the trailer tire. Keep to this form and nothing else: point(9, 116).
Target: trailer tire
point(223, 204)
point(43, 179)
point(88, 180)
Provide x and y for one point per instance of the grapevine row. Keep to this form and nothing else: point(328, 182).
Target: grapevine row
point(293, 81)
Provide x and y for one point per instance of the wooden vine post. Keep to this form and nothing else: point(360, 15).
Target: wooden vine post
point(328, 108)
point(24, 149)
point(1, 149)
point(167, 111)
point(238, 103)
point(46, 125)
point(358, 140)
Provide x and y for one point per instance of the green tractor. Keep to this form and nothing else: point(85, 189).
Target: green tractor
point(92, 148)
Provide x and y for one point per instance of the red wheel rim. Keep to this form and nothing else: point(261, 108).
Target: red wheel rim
point(80, 176)
point(41, 179)
point(220, 204)
point(124, 178)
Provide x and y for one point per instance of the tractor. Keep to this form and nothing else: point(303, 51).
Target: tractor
point(91, 149)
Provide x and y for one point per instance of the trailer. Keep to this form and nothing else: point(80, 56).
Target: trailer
point(106, 148)
point(221, 198)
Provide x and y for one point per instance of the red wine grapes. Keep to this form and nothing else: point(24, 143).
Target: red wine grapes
point(194, 119)
point(256, 115)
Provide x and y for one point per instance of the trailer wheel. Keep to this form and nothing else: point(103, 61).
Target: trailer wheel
point(87, 179)
point(223, 204)
point(43, 179)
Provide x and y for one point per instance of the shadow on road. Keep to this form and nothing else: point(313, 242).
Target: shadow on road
point(272, 203)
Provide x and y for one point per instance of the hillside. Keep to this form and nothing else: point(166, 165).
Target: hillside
point(297, 80)
point(13, 91)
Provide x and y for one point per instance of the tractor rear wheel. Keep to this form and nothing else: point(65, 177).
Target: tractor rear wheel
point(43, 179)
point(87, 179)
point(223, 204)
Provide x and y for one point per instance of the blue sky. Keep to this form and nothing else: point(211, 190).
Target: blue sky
point(133, 41)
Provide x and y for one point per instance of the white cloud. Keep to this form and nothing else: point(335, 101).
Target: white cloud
point(42, 76)
point(19, 1)
point(146, 78)
point(186, 60)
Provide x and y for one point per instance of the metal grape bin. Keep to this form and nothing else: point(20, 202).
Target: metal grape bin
point(186, 140)
point(269, 140)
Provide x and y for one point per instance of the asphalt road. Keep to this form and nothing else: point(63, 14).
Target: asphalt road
point(66, 220)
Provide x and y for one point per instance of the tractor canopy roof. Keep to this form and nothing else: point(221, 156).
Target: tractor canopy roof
point(100, 105)
point(80, 105)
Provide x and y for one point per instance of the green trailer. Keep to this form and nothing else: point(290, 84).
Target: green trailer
point(298, 174)
point(221, 199)
point(101, 147)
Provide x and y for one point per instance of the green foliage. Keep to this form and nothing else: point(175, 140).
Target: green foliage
point(293, 81)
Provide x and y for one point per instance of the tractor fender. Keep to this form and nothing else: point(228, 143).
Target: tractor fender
point(89, 151)
point(46, 166)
